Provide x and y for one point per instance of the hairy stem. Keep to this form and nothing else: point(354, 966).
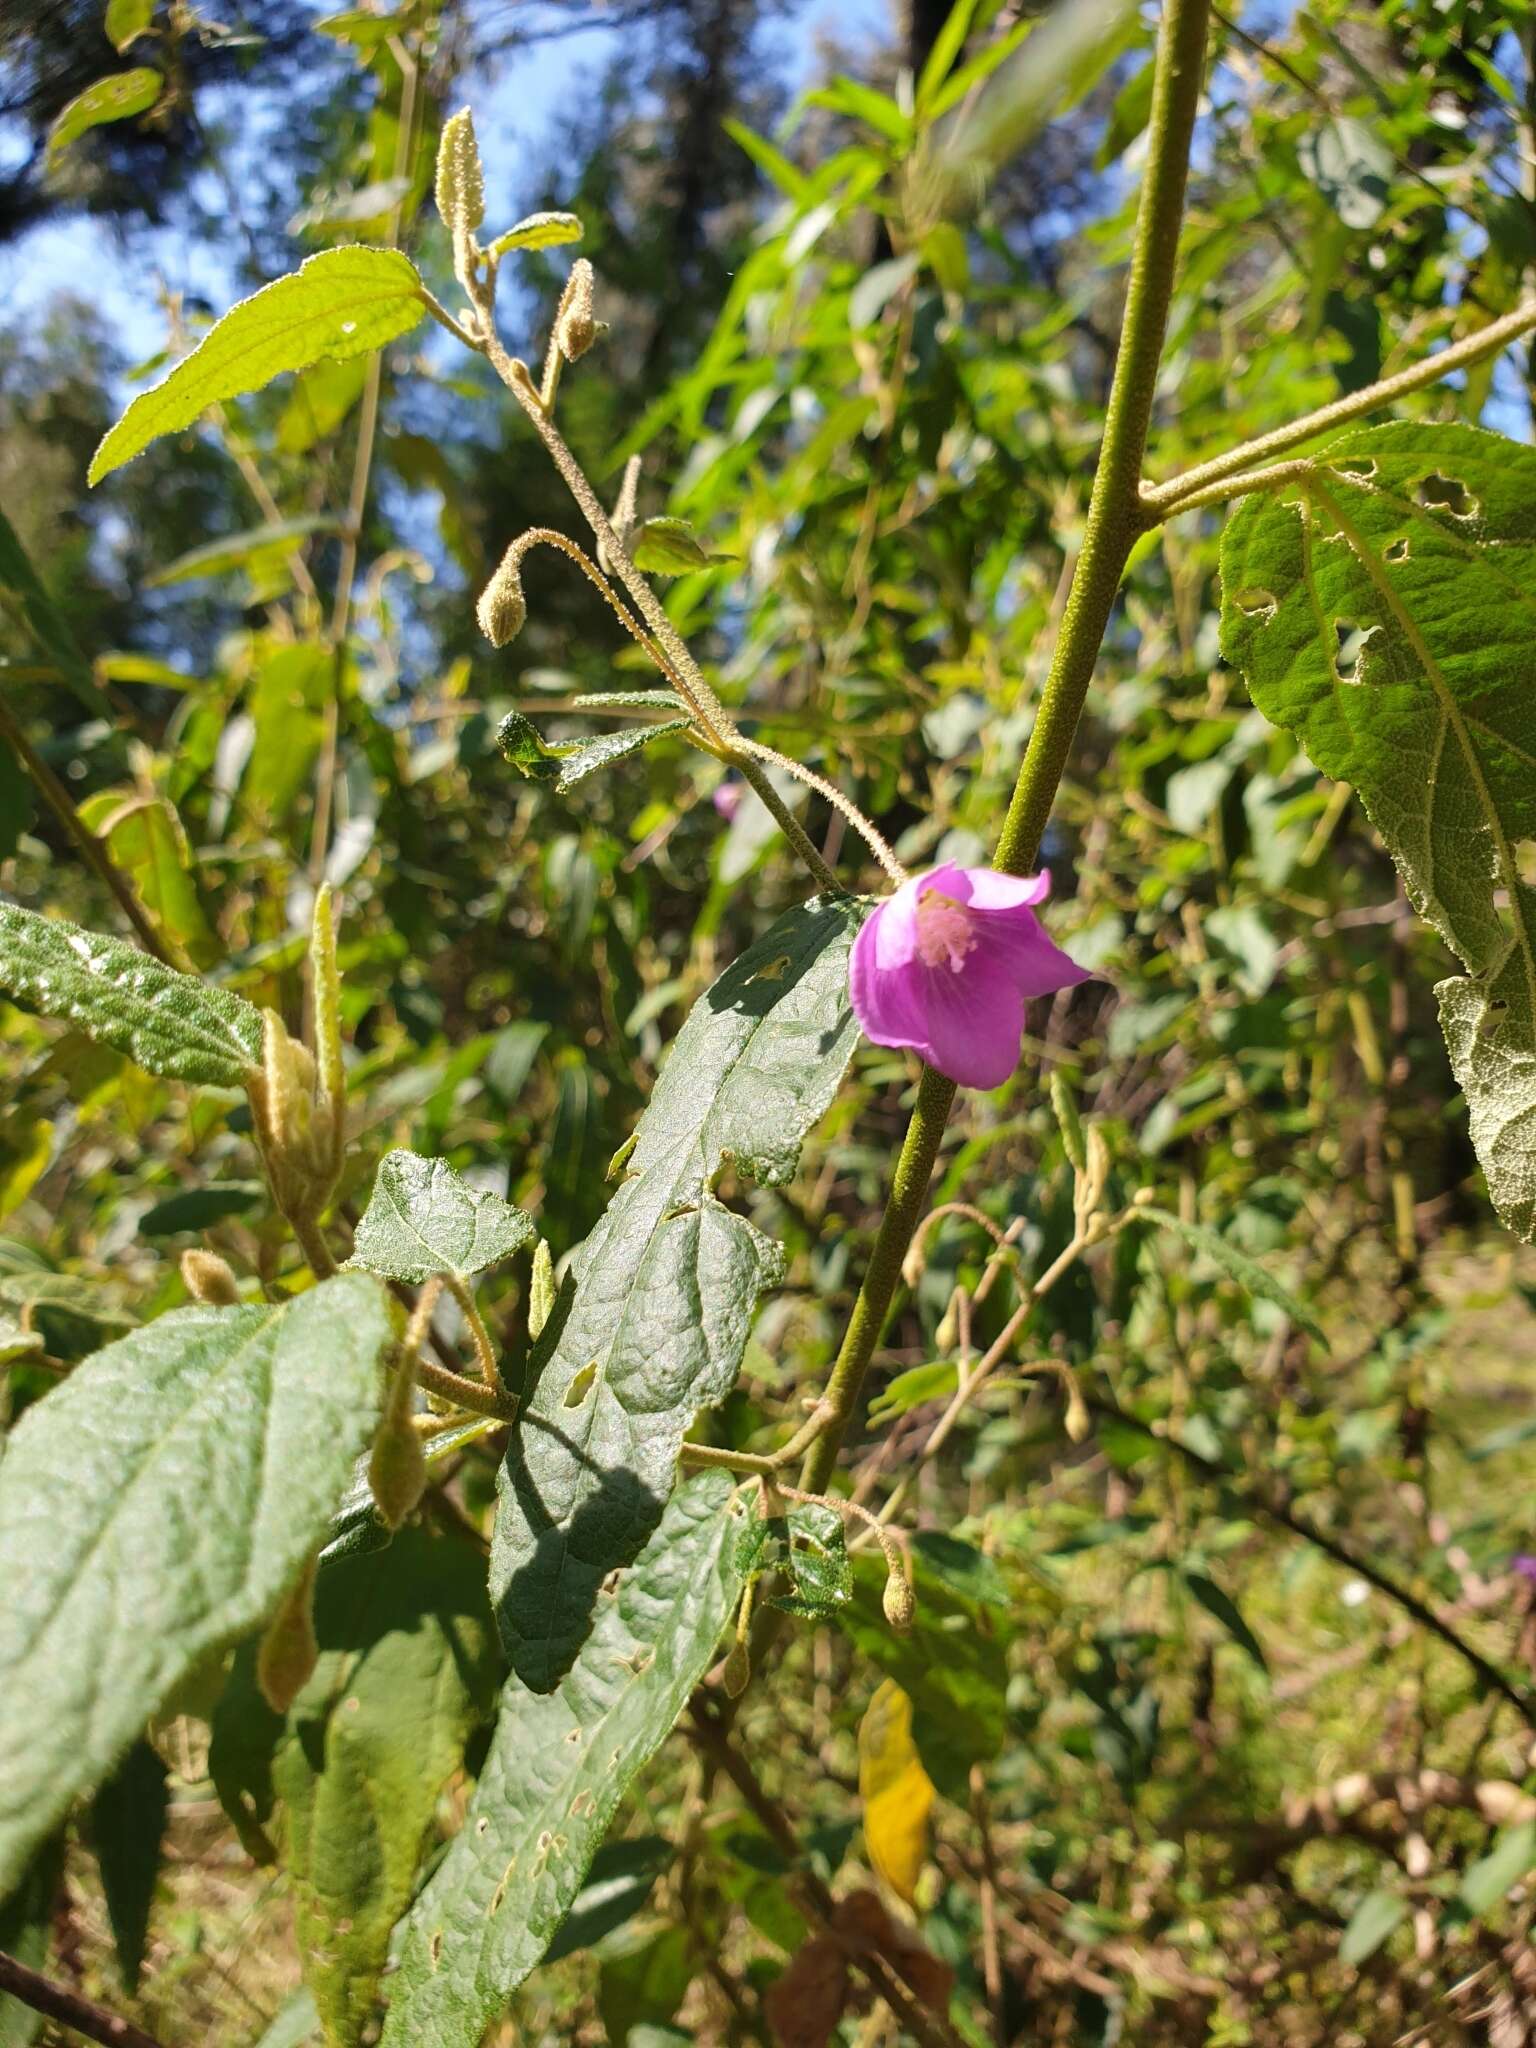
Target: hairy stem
point(1113, 524)
point(1173, 496)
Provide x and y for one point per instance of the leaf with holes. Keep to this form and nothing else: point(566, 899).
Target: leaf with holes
point(156, 1507)
point(1385, 617)
point(408, 1666)
point(343, 302)
point(558, 1766)
point(117, 98)
point(667, 1282)
point(172, 1024)
point(424, 1218)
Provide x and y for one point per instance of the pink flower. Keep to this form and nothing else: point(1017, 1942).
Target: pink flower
point(727, 797)
point(945, 966)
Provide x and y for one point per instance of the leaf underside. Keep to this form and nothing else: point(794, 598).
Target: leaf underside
point(667, 1283)
point(172, 1024)
point(154, 1508)
point(558, 1766)
point(1421, 539)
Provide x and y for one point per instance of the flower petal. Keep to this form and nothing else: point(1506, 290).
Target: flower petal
point(886, 993)
point(974, 1022)
point(986, 889)
point(1017, 941)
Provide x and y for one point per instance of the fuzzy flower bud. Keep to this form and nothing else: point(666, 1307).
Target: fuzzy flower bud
point(502, 607)
point(296, 1129)
point(575, 326)
point(289, 1652)
point(736, 1673)
point(460, 180)
point(397, 1470)
point(208, 1278)
point(898, 1600)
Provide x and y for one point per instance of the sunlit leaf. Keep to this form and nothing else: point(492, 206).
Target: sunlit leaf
point(538, 231)
point(117, 98)
point(897, 1793)
point(424, 1218)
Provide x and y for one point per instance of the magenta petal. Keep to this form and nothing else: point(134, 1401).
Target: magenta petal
point(974, 1023)
point(1037, 967)
point(885, 994)
point(988, 890)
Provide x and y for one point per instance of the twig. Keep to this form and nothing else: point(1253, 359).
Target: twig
point(69, 2008)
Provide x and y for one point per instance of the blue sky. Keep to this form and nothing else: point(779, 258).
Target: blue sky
point(86, 258)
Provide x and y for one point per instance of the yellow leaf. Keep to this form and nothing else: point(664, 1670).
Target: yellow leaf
point(24, 1165)
point(897, 1792)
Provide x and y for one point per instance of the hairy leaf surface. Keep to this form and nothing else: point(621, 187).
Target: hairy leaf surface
point(155, 1507)
point(423, 1218)
point(1417, 544)
point(667, 1282)
point(559, 1765)
point(172, 1024)
point(340, 303)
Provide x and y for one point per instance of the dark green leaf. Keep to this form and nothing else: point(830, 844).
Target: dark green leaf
point(668, 1281)
point(127, 1821)
point(185, 1473)
point(558, 1766)
point(200, 1208)
point(47, 624)
point(173, 1024)
point(1226, 1611)
point(424, 1218)
point(621, 1880)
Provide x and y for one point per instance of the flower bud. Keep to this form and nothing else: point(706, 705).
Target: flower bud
point(208, 1278)
point(898, 1600)
point(397, 1470)
point(541, 1288)
point(1079, 1421)
point(736, 1673)
point(289, 1652)
point(502, 607)
point(460, 180)
point(296, 1129)
point(575, 327)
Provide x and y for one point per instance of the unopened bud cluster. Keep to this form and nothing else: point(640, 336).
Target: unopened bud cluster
point(298, 1125)
point(460, 180)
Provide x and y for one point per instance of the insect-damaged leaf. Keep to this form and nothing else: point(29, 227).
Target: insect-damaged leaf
point(408, 1665)
point(423, 1218)
point(1388, 620)
point(667, 1282)
point(558, 1766)
point(157, 1506)
point(524, 746)
point(343, 302)
point(172, 1024)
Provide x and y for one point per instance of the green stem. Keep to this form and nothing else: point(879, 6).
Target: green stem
point(786, 821)
point(1113, 524)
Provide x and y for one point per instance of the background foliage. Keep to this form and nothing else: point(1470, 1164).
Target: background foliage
point(1220, 1673)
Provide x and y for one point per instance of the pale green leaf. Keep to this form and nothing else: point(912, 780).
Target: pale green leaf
point(935, 1381)
point(145, 838)
point(1414, 547)
point(559, 1765)
point(341, 303)
point(669, 547)
point(628, 700)
point(172, 1024)
point(1377, 1916)
point(424, 1218)
point(15, 1342)
point(1253, 1278)
point(667, 1282)
point(1511, 1858)
point(408, 1666)
point(117, 98)
point(155, 1507)
point(538, 231)
point(217, 557)
point(126, 20)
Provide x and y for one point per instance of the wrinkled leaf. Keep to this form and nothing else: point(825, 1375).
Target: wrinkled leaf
point(558, 1766)
point(184, 1473)
point(408, 1665)
point(172, 1024)
point(667, 1282)
point(340, 303)
point(1416, 545)
point(522, 744)
point(423, 1218)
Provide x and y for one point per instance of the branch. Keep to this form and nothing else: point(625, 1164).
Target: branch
point(70, 2008)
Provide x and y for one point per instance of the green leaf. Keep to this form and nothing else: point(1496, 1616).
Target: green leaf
point(629, 700)
point(127, 1821)
point(667, 1282)
point(669, 547)
point(287, 705)
point(950, 1664)
point(808, 1545)
point(1351, 166)
point(409, 1665)
point(424, 1218)
point(341, 303)
point(1421, 539)
point(621, 1880)
point(46, 623)
point(296, 2020)
point(935, 1381)
point(184, 1473)
point(172, 1024)
point(200, 1208)
point(558, 1766)
point(235, 550)
point(1509, 1860)
point(877, 110)
point(146, 839)
point(15, 1342)
point(590, 755)
point(1253, 1278)
point(1376, 1917)
point(1225, 1610)
point(126, 20)
point(117, 98)
point(539, 231)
